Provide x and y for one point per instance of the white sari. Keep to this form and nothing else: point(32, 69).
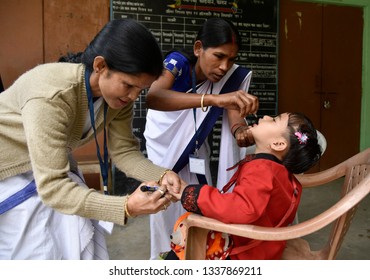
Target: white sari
point(32, 230)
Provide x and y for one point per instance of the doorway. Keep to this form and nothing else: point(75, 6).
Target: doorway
point(320, 68)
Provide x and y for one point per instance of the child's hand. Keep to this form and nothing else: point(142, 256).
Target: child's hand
point(171, 181)
point(244, 137)
point(177, 193)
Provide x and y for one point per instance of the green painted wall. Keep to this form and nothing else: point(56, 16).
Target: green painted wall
point(365, 106)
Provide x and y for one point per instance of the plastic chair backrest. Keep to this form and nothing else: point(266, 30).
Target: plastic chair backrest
point(340, 228)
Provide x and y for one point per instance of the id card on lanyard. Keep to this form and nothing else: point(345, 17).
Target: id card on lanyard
point(197, 165)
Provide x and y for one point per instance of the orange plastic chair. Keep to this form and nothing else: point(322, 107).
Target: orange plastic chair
point(356, 186)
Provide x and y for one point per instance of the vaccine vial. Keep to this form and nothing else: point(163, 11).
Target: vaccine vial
point(252, 119)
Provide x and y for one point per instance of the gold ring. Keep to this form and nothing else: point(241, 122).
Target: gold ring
point(164, 207)
point(161, 191)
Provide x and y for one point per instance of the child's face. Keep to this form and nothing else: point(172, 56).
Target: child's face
point(269, 130)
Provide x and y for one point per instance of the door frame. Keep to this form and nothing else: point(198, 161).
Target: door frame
point(365, 99)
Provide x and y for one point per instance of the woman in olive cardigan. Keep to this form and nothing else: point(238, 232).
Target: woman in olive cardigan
point(46, 210)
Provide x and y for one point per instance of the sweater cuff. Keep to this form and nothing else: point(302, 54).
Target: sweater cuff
point(189, 198)
point(106, 208)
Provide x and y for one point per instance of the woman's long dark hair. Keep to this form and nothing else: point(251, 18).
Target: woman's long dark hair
point(126, 45)
point(218, 31)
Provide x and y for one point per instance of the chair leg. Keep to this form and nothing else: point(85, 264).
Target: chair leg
point(197, 240)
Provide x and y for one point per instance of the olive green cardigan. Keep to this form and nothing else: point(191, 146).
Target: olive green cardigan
point(41, 121)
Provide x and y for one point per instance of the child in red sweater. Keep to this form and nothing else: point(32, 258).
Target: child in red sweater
point(264, 190)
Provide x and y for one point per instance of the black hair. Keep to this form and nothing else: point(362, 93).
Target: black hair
point(303, 152)
point(71, 57)
point(213, 33)
point(126, 45)
point(218, 31)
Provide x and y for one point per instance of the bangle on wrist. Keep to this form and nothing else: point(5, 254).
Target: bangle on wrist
point(127, 213)
point(235, 127)
point(202, 103)
point(161, 178)
point(237, 130)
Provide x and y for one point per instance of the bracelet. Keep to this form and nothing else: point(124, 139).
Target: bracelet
point(237, 129)
point(161, 178)
point(127, 213)
point(202, 105)
point(237, 124)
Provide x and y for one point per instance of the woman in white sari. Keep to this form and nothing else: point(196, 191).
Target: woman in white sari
point(184, 103)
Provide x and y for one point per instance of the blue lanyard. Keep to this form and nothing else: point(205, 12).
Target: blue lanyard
point(104, 164)
point(194, 86)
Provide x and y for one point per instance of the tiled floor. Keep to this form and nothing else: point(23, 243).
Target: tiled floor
point(132, 242)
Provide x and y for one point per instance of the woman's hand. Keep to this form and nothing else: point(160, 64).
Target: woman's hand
point(140, 203)
point(239, 100)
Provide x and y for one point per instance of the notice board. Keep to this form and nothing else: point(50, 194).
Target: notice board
point(175, 25)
